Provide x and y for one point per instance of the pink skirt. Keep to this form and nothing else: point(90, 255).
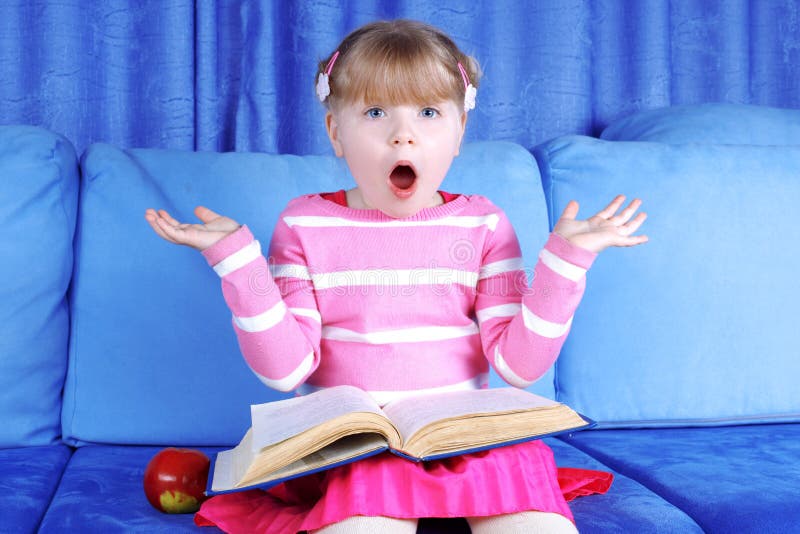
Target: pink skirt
point(498, 481)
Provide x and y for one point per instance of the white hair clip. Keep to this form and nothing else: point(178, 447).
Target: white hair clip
point(323, 86)
point(469, 90)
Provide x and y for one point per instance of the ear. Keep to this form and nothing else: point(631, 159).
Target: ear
point(461, 133)
point(333, 133)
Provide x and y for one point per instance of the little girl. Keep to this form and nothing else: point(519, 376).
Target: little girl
point(364, 290)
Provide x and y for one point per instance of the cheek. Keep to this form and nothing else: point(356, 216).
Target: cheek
point(361, 166)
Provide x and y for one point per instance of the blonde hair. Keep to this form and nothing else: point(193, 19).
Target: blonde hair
point(398, 62)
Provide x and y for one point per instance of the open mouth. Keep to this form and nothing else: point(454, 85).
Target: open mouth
point(403, 177)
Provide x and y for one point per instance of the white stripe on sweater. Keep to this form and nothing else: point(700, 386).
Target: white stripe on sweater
point(544, 328)
point(262, 321)
point(316, 221)
point(506, 373)
point(403, 335)
point(307, 312)
point(502, 310)
point(238, 259)
point(395, 278)
point(385, 397)
point(560, 266)
point(291, 380)
point(500, 267)
point(288, 270)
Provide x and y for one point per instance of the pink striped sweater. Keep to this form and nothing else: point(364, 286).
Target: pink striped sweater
point(397, 306)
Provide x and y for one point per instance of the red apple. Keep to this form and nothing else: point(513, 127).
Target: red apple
point(175, 479)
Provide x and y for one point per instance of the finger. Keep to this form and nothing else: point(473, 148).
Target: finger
point(634, 240)
point(206, 215)
point(175, 234)
point(570, 210)
point(156, 224)
point(612, 208)
point(634, 225)
point(152, 217)
point(629, 241)
point(631, 226)
point(627, 213)
point(168, 218)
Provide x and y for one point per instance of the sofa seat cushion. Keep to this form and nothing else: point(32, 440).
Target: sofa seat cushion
point(728, 479)
point(28, 478)
point(628, 506)
point(101, 491)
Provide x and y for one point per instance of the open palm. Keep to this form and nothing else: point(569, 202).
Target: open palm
point(199, 236)
point(604, 229)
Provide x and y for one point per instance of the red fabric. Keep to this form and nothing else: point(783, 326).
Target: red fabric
point(576, 482)
point(340, 197)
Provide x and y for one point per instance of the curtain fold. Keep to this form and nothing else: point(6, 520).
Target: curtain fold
point(239, 75)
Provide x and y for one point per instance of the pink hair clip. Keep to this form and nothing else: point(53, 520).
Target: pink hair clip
point(323, 87)
point(469, 90)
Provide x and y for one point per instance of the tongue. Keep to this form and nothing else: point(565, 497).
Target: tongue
point(402, 177)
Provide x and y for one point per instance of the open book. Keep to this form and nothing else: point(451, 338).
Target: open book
point(341, 424)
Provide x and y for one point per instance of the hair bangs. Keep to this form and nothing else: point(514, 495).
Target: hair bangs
point(396, 75)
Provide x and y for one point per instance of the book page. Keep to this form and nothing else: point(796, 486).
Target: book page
point(227, 473)
point(276, 421)
point(340, 451)
point(412, 413)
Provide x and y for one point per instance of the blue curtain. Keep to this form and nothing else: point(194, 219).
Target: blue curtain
point(226, 75)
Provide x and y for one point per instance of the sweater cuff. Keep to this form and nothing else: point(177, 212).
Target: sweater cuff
point(573, 254)
point(228, 245)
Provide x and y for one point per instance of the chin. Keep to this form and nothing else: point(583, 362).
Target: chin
point(400, 214)
point(403, 211)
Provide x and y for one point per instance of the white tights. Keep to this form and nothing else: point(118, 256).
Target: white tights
point(359, 524)
point(522, 522)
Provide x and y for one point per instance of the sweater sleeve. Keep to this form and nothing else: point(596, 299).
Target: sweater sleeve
point(275, 316)
point(523, 328)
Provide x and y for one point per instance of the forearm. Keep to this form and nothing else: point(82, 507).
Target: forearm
point(521, 347)
point(278, 333)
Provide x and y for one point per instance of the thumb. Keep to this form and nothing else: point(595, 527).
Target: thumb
point(570, 211)
point(204, 214)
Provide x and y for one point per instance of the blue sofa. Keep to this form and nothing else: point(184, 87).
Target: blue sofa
point(114, 343)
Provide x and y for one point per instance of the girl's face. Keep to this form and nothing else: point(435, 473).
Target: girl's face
point(398, 154)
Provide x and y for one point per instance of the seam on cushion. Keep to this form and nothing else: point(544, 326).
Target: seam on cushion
point(765, 419)
point(62, 176)
point(55, 489)
point(545, 170)
point(68, 419)
point(626, 471)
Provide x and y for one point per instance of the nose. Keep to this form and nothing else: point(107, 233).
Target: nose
point(402, 133)
point(403, 139)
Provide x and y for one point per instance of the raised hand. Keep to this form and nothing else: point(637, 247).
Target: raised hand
point(199, 236)
point(605, 229)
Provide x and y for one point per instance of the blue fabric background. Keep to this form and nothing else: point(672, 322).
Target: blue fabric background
point(238, 75)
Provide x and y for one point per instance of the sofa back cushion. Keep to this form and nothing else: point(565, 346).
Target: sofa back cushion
point(38, 203)
point(697, 326)
point(153, 356)
point(718, 123)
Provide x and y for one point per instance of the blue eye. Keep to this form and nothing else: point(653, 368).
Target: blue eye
point(375, 113)
point(429, 113)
